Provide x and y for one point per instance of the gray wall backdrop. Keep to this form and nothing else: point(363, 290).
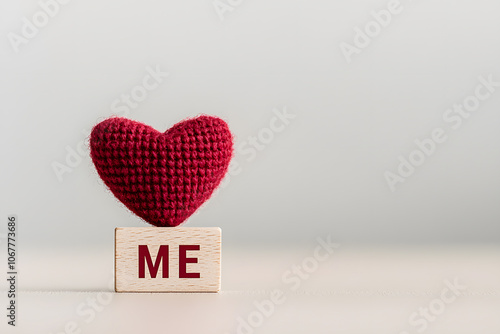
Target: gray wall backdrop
point(361, 81)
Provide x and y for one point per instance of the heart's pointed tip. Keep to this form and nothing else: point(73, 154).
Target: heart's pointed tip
point(162, 223)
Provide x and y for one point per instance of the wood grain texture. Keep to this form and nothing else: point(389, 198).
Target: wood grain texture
point(128, 239)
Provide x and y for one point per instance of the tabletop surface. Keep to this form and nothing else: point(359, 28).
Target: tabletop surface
point(352, 289)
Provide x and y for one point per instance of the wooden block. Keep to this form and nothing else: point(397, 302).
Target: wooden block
point(167, 259)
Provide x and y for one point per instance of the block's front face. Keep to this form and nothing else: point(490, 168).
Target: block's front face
point(167, 259)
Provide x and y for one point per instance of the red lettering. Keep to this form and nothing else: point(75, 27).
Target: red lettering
point(145, 256)
point(183, 260)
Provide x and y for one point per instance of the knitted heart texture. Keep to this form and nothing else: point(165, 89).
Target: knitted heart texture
point(162, 177)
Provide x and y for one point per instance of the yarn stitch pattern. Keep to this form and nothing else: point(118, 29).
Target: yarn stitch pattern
point(162, 177)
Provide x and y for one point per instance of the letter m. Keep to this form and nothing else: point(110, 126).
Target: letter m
point(145, 256)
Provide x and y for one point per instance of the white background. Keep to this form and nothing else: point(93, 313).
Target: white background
point(323, 173)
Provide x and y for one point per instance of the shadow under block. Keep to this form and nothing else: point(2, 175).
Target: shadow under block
point(167, 259)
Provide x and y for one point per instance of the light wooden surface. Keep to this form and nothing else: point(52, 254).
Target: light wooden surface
point(206, 261)
point(357, 290)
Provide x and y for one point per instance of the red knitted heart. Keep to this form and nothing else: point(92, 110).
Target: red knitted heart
point(162, 177)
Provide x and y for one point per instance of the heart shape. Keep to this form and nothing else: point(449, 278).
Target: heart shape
point(162, 177)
